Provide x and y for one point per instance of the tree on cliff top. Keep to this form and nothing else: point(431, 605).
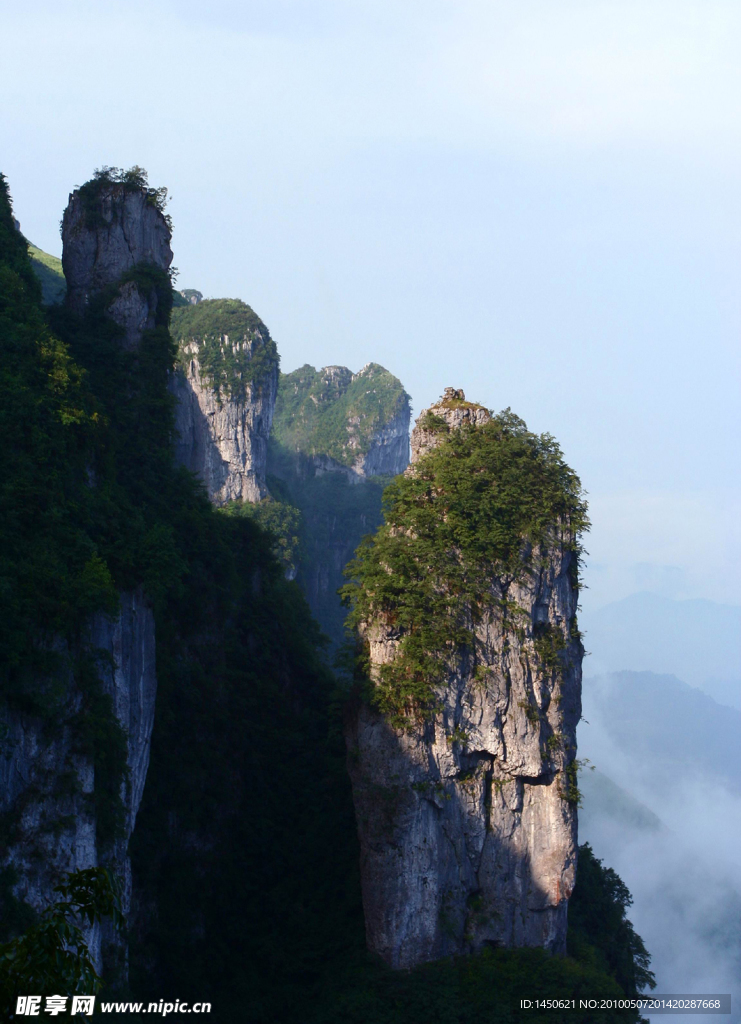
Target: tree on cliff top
point(475, 509)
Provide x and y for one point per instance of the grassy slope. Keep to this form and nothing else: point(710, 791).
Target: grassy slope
point(48, 269)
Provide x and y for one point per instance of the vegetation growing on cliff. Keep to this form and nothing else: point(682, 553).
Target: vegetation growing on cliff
point(328, 414)
point(52, 956)
point(278, 518)
point(134, 179)
point(52, 573)
point(333, 412)
point(93, 504)
point(477, 508)
point(230, 341)
point(599, 930)
point(48, 269)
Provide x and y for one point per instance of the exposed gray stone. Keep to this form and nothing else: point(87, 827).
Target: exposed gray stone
point(46, 785)
point(125, 231)
point(467, 835)
point(223, 440)
point(47, 782)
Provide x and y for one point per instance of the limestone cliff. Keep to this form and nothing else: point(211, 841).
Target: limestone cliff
point(356, 424)
point(466, 813)
point(63, 809)
point(47, 781)
point(109, 230)
point(225, 385)
point(337, 438)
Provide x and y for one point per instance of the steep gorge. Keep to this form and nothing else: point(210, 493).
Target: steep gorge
point(242, 884)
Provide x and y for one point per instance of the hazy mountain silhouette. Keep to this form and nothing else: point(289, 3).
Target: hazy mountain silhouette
point(699, 641)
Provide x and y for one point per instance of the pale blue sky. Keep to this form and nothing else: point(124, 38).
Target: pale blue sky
point(535, 201)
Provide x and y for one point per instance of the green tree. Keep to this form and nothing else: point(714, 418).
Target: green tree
point(53, 957)
point(484, 505)
point(599, 930)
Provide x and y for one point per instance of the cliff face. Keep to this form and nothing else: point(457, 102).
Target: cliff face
point(47, 782)
point(356, 424)
point(335, 433)
point(467, 820)
point(225, 386)
point(108, 232)
point(58, 790)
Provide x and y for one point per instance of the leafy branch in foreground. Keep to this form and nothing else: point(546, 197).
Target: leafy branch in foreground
point(53, 957)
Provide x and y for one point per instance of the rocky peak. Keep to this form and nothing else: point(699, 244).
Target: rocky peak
point(449, 413)
point(225, 384)
point(356, 424)
point(336, 380)
point(466, 803)
point(109, 230)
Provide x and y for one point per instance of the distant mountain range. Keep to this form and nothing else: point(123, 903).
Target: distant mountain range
point(698, 641)
point(659, 731)
point(604, 802)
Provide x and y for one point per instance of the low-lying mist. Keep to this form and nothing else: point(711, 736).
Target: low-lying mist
point(663, 808)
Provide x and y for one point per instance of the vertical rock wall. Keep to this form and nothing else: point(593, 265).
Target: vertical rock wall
point(105, 237)
point(223, 439)
point(335, 421)
point(334, 432)
point(468, 823)
point(46, 783)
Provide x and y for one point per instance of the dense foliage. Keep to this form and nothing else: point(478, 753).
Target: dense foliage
point(278, 518)
point(245, 792)
point(333, 412)
point(53, 957)
point(485, 988)
point(599, 930)
point(334, 516)
point(330, 414)
point(483, 505)
point(230, 341)
point(55, 570)
point(48, 270)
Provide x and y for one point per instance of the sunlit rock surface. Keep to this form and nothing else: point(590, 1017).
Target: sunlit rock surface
point(468, 823)
point(222, 438)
